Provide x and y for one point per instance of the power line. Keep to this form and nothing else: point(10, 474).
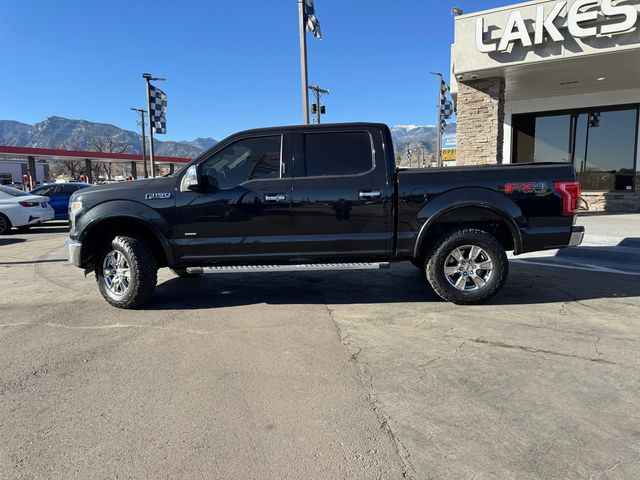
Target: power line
point(317, 108)
point(144, 141)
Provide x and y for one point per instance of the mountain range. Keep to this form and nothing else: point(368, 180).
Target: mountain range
point(59, 132)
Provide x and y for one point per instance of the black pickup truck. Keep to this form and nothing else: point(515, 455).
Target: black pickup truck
point(321, 197)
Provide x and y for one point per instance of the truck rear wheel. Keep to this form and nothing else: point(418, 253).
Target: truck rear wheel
point(126, 272)
point(467, 266)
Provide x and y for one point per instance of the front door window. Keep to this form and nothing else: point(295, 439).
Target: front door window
point(248, 159)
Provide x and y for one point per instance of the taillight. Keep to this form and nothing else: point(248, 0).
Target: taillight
point(29, 204)
point(570, 193)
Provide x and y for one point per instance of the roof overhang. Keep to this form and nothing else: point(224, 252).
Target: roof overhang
point(568, 64)
point(8, 151)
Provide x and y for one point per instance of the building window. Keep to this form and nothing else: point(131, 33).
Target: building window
point(600, 142)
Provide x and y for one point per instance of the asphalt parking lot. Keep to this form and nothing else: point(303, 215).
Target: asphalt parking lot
point(320, 375)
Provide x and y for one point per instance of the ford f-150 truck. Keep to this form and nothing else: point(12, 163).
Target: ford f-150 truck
point(321, 197)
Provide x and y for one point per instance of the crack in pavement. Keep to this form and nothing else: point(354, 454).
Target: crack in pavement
point(133, 325)
point(409, 471)
point(595, 475)
point(538, 350)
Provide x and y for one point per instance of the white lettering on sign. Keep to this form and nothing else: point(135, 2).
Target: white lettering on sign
point(580, 18)
point(510, 35)
point(546, 24)
point(629, 13)
point(576, 17)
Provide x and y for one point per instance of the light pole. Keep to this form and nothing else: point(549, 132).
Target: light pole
point(148, 77)
point(303, 62)
point(439, 141)
point(144, 141)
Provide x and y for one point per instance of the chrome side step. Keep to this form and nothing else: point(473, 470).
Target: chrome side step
point(308, 267)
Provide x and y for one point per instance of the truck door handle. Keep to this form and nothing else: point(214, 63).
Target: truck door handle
point(274, 197)
point(370, 194)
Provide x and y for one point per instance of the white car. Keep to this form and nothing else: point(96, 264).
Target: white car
point(22, 210)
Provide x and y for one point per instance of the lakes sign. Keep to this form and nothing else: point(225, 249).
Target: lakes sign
point(581, 22)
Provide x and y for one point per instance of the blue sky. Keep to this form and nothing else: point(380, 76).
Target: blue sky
point(229, 65)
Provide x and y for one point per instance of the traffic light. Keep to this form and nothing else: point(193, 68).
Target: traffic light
point(314, 108)
point(322, 110)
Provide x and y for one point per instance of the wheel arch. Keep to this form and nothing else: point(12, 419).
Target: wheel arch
point(477, 214)
point(102, 228)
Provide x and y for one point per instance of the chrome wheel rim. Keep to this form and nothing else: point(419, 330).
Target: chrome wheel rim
point(116, 272)
point(468, 268)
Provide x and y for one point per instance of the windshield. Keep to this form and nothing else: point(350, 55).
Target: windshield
point(14, 192)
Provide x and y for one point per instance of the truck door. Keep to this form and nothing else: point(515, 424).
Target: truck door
point(242, 212)
point(342, 199)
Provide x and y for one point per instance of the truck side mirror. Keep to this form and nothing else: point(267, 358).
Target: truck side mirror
point(191, 179)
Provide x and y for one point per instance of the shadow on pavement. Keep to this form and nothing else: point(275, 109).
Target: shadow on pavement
point(31, 262)
point(633, 242)
point(48, 227)
point(10, 241)
point(527, 284)
point(625, 257)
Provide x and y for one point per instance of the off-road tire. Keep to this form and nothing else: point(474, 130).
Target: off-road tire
point(439, 252)
point(182, 273)
point(5, 224)
point(143, 272)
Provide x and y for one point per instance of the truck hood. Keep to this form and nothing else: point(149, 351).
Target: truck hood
point(135, 190)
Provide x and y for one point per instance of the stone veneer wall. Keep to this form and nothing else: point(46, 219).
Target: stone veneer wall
point(480, 116)
point(611, 201)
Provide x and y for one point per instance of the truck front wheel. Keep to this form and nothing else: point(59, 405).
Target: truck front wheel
point(126, 272)
point(467, 266)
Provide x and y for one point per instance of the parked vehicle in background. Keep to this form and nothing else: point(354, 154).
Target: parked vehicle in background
point(318, 197)
point(22, 210)
point(59, 195)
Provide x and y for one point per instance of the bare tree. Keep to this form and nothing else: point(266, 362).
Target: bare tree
point(107, 145)
point(72, 168)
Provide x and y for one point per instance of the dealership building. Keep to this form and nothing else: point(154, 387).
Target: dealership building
point(553, 81)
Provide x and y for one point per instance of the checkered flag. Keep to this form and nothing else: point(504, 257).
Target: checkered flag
point(158, 109)
point(311, 21)
point(446, 104)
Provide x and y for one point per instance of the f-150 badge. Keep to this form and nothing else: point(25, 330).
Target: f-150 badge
point(156, 196)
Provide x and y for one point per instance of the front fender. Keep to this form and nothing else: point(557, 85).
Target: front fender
point(487, 199)
point(115, 210)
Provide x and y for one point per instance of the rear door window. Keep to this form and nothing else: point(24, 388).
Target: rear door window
point(336, 154)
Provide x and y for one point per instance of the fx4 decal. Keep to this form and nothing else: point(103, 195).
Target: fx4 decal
point(526, 187)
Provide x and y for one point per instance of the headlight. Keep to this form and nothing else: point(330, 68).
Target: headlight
point(74, 207)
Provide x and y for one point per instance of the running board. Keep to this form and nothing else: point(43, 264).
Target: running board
point(309, 267)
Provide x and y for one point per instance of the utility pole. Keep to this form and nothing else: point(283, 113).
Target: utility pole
point(316, 107)
point(303, 62)
point(144, 142)
point(149, 78)
point(439, 140)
